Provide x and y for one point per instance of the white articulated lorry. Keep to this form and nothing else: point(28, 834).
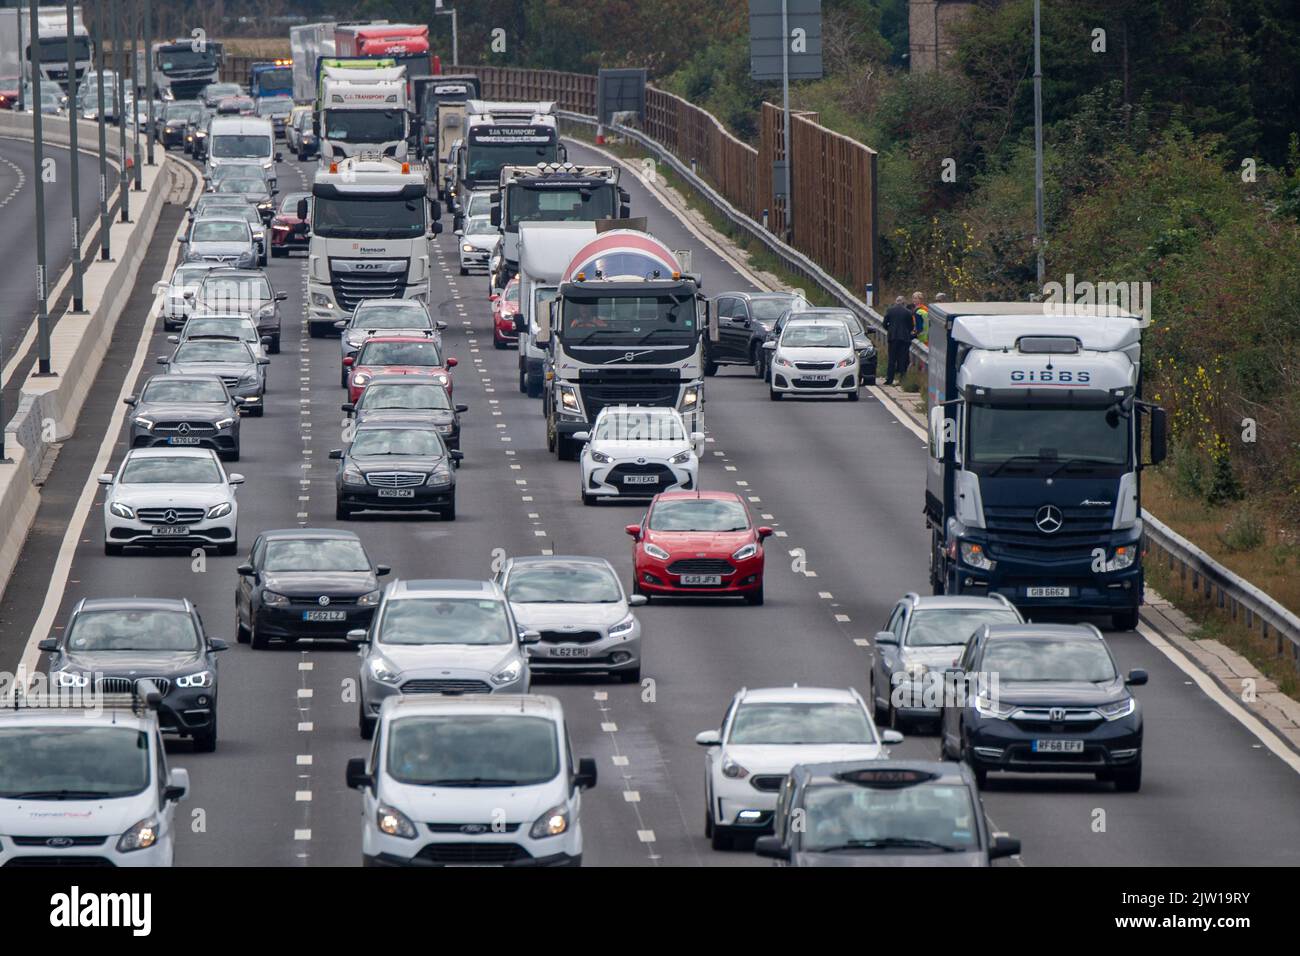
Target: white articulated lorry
point(371, 227)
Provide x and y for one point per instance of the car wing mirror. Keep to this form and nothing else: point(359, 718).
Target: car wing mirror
point(358, 636)
point(764, 532)
point(886, 637)
point(50, 645)
point(356, 775)
point(891, 737)
point(246, 570)
point(771, 847)
point(1004, 846)
point(585, 778)
point(235, 479)
point(582, 436)
point(634, 530)
point(336, 454)
point(1136, 677)
point(106, 478)
point(461, 409)
point(709, 738)
point(217, 645)
point(382, 569)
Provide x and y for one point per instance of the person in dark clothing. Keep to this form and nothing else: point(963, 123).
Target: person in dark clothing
point(899, 330)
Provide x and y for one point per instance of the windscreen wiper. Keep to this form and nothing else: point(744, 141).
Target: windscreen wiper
point(57, 795)
point(887, 842)
point(1002, 464)
point(1082, 461)
point(472, 782)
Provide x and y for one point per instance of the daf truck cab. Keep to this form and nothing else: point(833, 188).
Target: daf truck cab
point(370, 232)
point(363, 118)
point(503, 134)
point(1036, 455)
point(545, 251)
point(626, 328)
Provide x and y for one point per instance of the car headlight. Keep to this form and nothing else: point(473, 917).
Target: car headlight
point(360, 378)
point(394, 822)
point(745, 551)
point(381, 671)
point(845, 363)
point(600, 457)
point(224, 423)
point(264, 205)
point(441, 475)
point(249, 377)
point(441, 378)
point(352, 475)
point(1123, 557)
point(972, 552)
point(1118, 709)
point(121, 510)
point(274, 599)
point(551, 823)
point(144, 423)
point(444, 429)
point(508, 674)
point(201, 679)
point(691, 397)
point(915, 668)
point(320, 298)
point(219, 511)
point(655, 551)
point(69, 679)
point(369, 599)
point(733, 770)
point(986, 706)
point(140, 836)
point(785, 362)
point(681, 458)
point(623, 627)
point(467, 248)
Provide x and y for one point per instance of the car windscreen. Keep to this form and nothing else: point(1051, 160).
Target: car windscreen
point(480, 227)
point(233, 184)
point(232, 145)
point(182, 112)
point(235, 293)
point(72, 763)
point(240, 328)
point(315, 554)
point(801, 723)
point(473, 750)
point(800, 336)
point(219, 90)
point(444, 620)
point(698, 514)
point(274, 107)
point(187, 277)
point(559, 583)
point(399, 353)
point(391, 317)
point(168, 471)
point(240, 170)
point(940, 627)
point(1047, 659)
point(132, 630)
point(219, 230)
point(160, 390)
point(848, 817)
point(639, 426)
point(416, 442)
point(769, 310)
point(212, 351)
point(389, 395)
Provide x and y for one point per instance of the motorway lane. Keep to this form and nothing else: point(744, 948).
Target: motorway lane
point(840, 481)
point(17, 245)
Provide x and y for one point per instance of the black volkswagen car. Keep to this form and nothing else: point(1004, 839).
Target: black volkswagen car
point(406, 398)
point(111, 643)
point(882, 813)
point(1045, 698)
point(194, 410)
point(305, 582)
point(396, 466)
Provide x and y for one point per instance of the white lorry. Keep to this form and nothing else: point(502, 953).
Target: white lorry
point(371, 226)
point(51, 46)
point(545, 251)
point(363, 117)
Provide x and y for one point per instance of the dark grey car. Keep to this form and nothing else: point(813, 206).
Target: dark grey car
point(255, 190)
point(111, 643)
point(744, 321)
point(396, 466)
point(184, 410)
point(240, 370)
point(405, 398)
point(247, 291)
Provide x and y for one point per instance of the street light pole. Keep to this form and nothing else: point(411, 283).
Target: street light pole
point(148, 71)
point(1041, 238)
point(135, 96)
point(74, 160)
point(785, 98)
point(104, 218)
point(38, 175)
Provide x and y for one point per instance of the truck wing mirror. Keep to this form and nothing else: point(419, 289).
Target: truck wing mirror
point(715, 334)
point(302, 209)
point(495, 218)
point(1159, 435)
point(938, 433)
point(544, 328)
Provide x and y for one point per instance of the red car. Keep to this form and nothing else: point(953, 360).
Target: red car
point(504, 306)
point(9, 93)
point(698, 542)
point(397, 355)
point(287, 230)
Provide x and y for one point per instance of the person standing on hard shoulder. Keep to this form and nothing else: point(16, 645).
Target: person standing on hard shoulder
point(899, 329)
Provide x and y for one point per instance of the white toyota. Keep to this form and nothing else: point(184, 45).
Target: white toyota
point(171, 497)
point(636, 452)
point(814, 357)
point(764, 734)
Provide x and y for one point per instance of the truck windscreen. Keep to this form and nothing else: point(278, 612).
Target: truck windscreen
point(186, 60)
point(55, 49)
point(626, 320)
point(484, 160)
point(277, 79)
point(1040, 439)
point(579, 204)
point(368, 217)
point(365, 126)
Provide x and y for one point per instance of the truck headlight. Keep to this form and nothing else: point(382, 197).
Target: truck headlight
point(321, 299)
point(394, 822)
point(121, 510)
point(1123, 557)
point(551, 823)
point(568, 398)
point(972, 553)
point(140, 836)
point(690, 397)
point(508, 674)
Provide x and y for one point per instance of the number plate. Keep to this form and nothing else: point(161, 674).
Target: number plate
point(397, 492)
point(640, 479)
point(1058, 746)
point(324, 615)
point(815, 378)
point(182, 441)
point(568, 652)
point(171, 530)
point(714, 579)
point(1049, 592)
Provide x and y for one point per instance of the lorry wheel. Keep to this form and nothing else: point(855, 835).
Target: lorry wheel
point(534, 389)
point(1126, 621)
point(550, 437)
point(523, 380)
point(567, 448)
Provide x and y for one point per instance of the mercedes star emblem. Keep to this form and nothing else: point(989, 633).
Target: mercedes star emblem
point(183, 428)
point(1049, 519)
point(323, 600)
point(169, 516)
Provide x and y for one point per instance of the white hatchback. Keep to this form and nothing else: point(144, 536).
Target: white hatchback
point(764, 734)
point(636, 451)
point(471, 781)
point(814, 357)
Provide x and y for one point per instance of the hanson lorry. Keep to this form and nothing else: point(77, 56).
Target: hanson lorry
point(625, 329)
point(370, 232)
point(1036, 454)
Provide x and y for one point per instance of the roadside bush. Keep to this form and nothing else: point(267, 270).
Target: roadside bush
point(1244, 531)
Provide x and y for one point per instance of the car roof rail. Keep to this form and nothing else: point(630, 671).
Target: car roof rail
point(1003, 598)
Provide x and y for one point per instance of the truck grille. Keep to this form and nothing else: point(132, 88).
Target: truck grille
point(1012, 529)
point(701, 566)
point(160, 515)
point(396, 479)
point(432, 685)
point(351, 285)
point(596, 397)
